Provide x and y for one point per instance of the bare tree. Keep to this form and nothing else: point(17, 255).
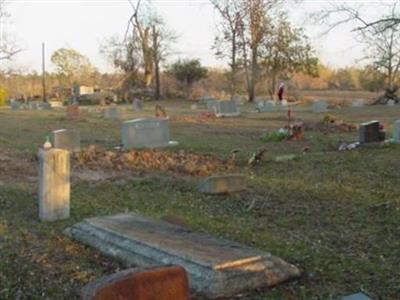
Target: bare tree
point(227, 40)
point(8, 48)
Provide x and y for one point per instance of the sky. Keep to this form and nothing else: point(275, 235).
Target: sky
point(85, 24)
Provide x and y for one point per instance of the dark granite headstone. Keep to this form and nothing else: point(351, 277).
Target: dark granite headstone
point(370, 133)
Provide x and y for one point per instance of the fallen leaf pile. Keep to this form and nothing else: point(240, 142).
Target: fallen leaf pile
point(201, 118)
point(181, 162)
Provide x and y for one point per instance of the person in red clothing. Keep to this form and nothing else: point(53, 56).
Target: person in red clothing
point(281, 91)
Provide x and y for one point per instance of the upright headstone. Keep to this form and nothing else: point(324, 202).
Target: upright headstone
point(396, 132)
point(137, 105)
point(73, 111)
point(391, 103)
point(146, 133)
point(112, 112)
point(67, 139)
point(33, 105)
point(44, 106)
point(266, 106)
point(370, 132)
point(211, 104)
point(54, 184)
point(320, 106)
point(15, 105)
point(226, 109)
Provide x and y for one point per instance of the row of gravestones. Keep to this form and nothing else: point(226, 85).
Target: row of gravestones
point(33, 105)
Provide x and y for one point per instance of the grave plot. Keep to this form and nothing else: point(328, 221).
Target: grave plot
point(181, 163)
point(216, 267)
point(330, 124)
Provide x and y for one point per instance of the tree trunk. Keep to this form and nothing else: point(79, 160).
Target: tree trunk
point(156, 63)
point(254, 74)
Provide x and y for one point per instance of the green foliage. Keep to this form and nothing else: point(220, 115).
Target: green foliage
point(3, 96)
point(188, 71)
point(276, 136)
point(72, 65)
point(371, 80)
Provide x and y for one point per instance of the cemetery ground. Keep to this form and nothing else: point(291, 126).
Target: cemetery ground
point(335, 215)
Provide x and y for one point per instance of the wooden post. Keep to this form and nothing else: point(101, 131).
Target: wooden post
point(44, 73)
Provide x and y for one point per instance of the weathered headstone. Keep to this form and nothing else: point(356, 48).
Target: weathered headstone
point(320, 106)
point(226, 109)
point(266, 106)
point(396, 132)
point(137, 105)
point(211, 104)
point(370, 133)
point(54, 184)
point(164, 282)
point(112, 113)
point(15, 105)
point(72, 111)
point(43, 106)
point(223, 184)
point(391, 103)
point(33, 105)
point(358, 296)
point(216, 267)
point(146, 133)
point(67, 139)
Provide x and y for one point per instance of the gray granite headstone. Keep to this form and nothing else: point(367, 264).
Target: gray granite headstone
point(266, 106)
point(112, 112)
point(396, 132)
point(44, 106)
point(320, 106)
point(226, 109)
point(358, 103)
point(15, 105)
point(146, 133)
point(67, 139)
point(211, 104)
point(223, 184)
point(137, 105)
point(391, 103)
point(216, 267)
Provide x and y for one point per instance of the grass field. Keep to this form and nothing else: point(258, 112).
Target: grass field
point(336, 215)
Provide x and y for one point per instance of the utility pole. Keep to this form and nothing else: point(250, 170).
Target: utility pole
point(43, 73)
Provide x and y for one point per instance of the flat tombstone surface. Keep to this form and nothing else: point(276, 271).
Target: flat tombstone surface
point(145, 133)
point(358, 296)
point(223, 184)
point(66, 139)
point(216, 267)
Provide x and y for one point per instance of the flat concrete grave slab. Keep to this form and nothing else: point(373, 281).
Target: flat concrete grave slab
point(146, 133)
point(67, 139)
point(216, 267)
point(226, 109)
point(223, 184)
point(358, 296)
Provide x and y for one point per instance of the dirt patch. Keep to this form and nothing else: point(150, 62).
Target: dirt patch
point(180, 162)
point(329, 124)
point(201, 118)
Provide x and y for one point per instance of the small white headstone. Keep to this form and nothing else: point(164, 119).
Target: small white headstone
point(391, 103)
point(137, 105)
point(266, 106)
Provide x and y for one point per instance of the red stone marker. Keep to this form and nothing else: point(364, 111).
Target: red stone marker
point(72, 111)
point(160, 283)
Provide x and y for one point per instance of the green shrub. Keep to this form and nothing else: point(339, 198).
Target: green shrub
point(3, 96)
